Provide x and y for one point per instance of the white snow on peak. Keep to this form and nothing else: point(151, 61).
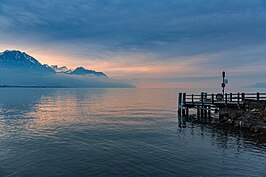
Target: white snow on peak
point(12, 51)
point(29, 58)
point(19, 55)
point(58, 69)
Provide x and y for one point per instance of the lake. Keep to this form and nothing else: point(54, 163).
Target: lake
point(115, 132)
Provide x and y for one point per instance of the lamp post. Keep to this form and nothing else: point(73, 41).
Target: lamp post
point(223, 83)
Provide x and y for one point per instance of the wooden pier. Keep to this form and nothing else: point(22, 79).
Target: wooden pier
point(206, 103)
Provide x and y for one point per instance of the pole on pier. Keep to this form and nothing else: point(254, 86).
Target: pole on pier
point(223, 83)
point(231, 97)
point(180, 104)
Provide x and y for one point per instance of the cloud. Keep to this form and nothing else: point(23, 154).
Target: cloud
point(139, 34)
point(181, 27)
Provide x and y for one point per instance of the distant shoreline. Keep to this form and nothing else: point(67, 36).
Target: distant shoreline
point(19, 86)
point(9, 86)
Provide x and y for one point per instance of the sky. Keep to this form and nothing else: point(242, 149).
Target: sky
point(150, 43)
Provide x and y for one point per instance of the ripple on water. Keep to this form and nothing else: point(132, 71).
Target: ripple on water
point(114, 132)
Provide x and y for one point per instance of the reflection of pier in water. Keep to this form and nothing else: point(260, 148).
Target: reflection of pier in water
point(222, 137)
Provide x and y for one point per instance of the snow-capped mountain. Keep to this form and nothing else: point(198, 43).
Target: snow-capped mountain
point(77, 71)
point(19, 69)
point(62, 69)
point(15, 60)
point(83, 71)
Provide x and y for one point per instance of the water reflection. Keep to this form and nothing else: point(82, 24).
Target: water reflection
point(114, 132)
point(33, 110)
point(222, 137)
point(16, 105)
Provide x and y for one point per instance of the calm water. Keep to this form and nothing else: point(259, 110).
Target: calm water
point(114, 132)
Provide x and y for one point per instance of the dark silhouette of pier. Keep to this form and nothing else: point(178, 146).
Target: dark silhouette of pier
point(206, 103)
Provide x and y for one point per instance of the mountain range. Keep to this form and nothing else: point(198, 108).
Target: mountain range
point(20, 69)
point(18, 61)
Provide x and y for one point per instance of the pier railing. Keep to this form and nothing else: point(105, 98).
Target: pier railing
point(226, 98)
point(207, 101)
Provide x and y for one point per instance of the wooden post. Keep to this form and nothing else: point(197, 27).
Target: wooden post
point(180, 104)
point(184, 98)
point(187, 111)
point(192, 99)
point(205, 111)
point(243, 97)
point(258, 96)
point(231, 97)
point(209, 112)
point(202, 103)
point(184, 104)
point(202, 98)
point(225, 98)
point(212, 98)
point(238, 98)
point(198, 111)
point(205, 96)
